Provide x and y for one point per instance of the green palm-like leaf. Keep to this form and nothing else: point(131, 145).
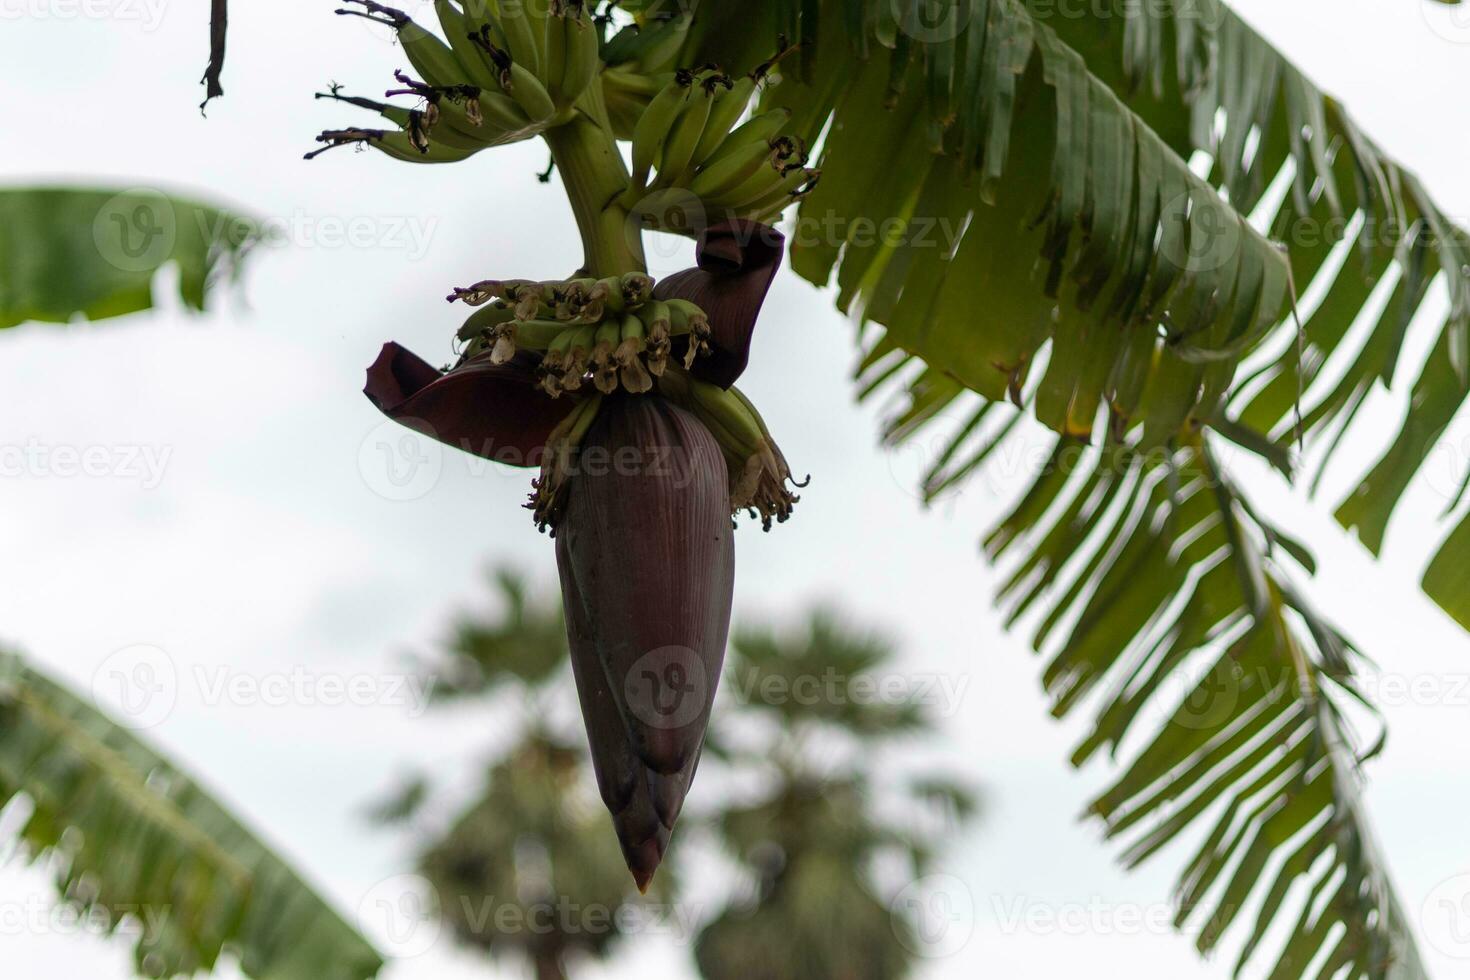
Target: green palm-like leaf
point(129, 832)
point(70, 252)
point(1067, 137)
point(1142, 570)
point(1049, 154)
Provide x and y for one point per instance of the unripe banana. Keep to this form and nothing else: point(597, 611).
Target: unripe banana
point(582, 58)
point(501, 113)
point(729, 106)
point(793, 186)
point(658, 328)
point(605, 369)
point(539, 334)
point(476, 68)
point(400, 147)
point(637, 289)
point(654, 126)
point(483, 320)
point(579, 354)
point(554, 51)
point(521, 33)
point(660, 55)
point(684, 136)
point(430, 57)
point(521, 84)
point(721, 179)
point(766, 179)
point(631, 344)
point(610, 292)
point(758, 129)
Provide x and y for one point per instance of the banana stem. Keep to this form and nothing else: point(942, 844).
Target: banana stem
point(587, 158)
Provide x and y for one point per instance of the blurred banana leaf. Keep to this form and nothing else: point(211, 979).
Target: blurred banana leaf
point(128, 834)
point(77, 252)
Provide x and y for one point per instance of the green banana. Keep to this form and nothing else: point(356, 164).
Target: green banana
point(582, 58)
point(729, 106)
point(605, 369)
point(471, 59)
point(722, 178)
point(520, 83)
point(400, 147)
point(430, 57)
point(660, 55)
point(658, 328)
point(610, 293)
point(540, 334)
point(758, 129)
point(521, 34)
point(684, 135)
point(632, 341)
point(579, 354)
point(685, 317)
point(762, 183)
point(554, 50)
point(654, 126)
point(484, 319)
point(793, 186)
point(637, 289)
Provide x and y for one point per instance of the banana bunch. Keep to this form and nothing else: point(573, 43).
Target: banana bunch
point(609, 331)
point(690, 137)
point(510, 70)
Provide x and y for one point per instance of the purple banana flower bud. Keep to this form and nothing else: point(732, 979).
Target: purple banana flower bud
point(646, 553)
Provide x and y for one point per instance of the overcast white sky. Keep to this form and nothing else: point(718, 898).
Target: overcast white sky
point(263, 543)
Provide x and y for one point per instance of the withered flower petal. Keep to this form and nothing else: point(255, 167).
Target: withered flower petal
point(497, 411)
point(736, 262)
point(647, 560)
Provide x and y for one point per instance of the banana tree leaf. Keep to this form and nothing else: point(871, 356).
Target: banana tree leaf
point(78, 252)
point(130, 834)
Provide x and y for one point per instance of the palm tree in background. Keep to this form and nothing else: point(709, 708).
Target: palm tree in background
point(808, 842)
point(532, 845)
point(528, 870)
